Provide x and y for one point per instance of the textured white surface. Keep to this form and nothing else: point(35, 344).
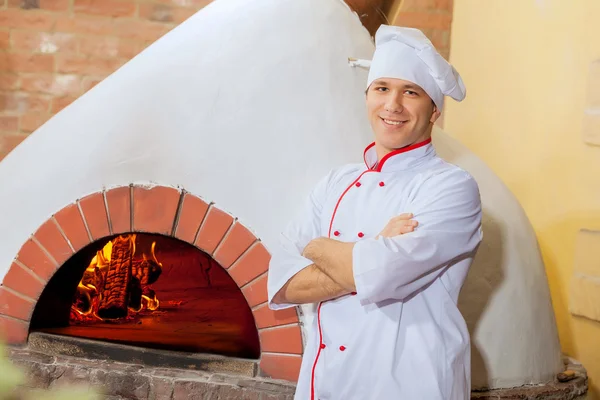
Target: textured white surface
point(506, 299)
point(248, 104)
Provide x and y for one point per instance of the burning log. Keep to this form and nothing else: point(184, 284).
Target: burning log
point(135, 294)
point(115, 295)
point(91, 282)
point(146, 271)
point(83, 301)
point(143, 272)
point(93, 278)
point(116, 283)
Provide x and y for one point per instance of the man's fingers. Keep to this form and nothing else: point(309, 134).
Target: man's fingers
point(410, 222)
point(406, 229)
point(405, 226)
point(399, 225)
point(402, 217)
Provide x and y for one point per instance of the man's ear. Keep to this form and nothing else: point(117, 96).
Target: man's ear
point(435, 114)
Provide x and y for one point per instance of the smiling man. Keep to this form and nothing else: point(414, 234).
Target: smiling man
point(387, 323)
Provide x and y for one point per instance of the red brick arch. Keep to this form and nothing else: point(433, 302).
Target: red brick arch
point(153, 209)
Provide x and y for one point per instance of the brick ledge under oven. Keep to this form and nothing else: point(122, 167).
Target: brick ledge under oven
point(118, 380)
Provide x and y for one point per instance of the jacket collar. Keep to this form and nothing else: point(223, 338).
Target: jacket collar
point(401, 159)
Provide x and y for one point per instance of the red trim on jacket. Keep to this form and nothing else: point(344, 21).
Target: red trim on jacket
point(365, 154)
point(379, 165)
point(312, 379)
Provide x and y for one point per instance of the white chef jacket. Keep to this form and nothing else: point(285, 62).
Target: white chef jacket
point(401, 335)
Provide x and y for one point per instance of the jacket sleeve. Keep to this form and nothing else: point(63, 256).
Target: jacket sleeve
point(448, 210)
point(286, 256)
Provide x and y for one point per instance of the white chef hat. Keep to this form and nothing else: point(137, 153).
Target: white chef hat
point(407, 54)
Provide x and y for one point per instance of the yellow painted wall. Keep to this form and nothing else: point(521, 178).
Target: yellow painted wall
point(525, 64)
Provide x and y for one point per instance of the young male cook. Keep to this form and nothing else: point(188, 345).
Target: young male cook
point(387, 323)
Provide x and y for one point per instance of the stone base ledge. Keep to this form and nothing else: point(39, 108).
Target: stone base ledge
point(574, 389)
point(116, 380)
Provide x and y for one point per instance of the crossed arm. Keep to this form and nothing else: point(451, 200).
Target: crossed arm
point(327, 278)
point(331, 275)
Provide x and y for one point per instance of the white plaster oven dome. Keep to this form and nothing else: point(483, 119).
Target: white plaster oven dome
point(505, 299)
point(247, 104)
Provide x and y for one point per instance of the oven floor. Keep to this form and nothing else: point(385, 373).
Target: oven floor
point(208, 320)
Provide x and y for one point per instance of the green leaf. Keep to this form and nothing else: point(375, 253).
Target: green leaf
point(10, 376)
point(65, 393)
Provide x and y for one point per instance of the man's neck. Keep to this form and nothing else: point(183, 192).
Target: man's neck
point(382, 151)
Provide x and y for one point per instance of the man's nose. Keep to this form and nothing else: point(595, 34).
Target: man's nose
point(394, 103)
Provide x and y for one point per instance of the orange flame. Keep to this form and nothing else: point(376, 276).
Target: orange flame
point(90, 289)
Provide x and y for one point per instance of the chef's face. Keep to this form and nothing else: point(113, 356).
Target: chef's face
point(400, 112)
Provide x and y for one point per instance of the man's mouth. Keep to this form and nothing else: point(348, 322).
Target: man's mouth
point(392, 122)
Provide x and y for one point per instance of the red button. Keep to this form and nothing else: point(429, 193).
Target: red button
point(360, 234)
point(336, 233)
point(381, 184)
point(342, 348)
point(322, 345)
point(358, 184)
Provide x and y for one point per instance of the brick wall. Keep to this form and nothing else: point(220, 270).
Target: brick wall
point(433, 17)
point(53, 51)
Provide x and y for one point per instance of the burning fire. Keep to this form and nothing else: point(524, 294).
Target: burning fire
point(116, 284)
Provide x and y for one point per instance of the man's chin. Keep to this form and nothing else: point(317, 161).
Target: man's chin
point(394, 143)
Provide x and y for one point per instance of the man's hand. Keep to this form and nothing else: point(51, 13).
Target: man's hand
point(398, 226)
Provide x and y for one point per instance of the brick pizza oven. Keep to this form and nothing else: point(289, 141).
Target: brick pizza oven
point(209, 282)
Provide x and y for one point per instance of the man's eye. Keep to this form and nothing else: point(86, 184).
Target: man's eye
point(411, 93)
point(381, 89)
